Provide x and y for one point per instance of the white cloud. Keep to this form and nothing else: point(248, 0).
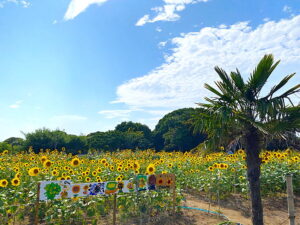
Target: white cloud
point(23, 3)
point(179, 81)
point(158, 29)
point(167, 12)
point(78, 6)
point(287, 9)
point(162, 44)
point(16, 105)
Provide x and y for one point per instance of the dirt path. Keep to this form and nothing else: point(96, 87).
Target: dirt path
point(275, 211)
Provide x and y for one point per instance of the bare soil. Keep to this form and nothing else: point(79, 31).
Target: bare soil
point(237, 209)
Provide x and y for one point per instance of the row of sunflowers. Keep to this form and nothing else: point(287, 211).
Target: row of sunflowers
point(217, 175)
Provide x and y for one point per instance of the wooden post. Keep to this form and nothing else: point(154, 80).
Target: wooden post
point(174, 199)
point(209, 197)
point(290, 198)
point(218, 191)
point(115, 210)
point(37, 204)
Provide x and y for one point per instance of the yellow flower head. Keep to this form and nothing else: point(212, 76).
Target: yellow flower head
point(47, 163)
point(75, 162)
point(15, 182)
point(34, 171)
point(3, 183)
point(150, 169)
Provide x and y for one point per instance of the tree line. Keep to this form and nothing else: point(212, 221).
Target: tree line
point(173, 132)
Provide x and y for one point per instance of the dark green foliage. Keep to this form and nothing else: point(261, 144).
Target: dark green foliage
point(5, 146)
point(47, 139)
point(14, 141)
point(127, 135)
point(109, 141)
point(134, 127)
point(74, 144)
point(174, 131)
point(15, 144)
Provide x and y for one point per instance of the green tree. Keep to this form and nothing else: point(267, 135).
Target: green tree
point(115, 139)
point(239, 106)
point(16, 143)
point(108, 141)
point(45, 139)
point(135, 135)
point(5, 146)
point(75, 143)
point(131, 126)
point(174, 132)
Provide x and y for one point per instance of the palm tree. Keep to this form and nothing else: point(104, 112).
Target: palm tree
point(240, 111)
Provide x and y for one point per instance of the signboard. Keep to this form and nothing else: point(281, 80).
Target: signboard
point(50, 190)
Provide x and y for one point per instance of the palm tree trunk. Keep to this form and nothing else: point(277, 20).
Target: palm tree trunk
point(253, 174)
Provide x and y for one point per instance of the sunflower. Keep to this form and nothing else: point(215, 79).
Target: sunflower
point(44, 158)
point(15, 182)
point(87, 179)
point(211, 168)
point(75, 162)
point(223, 166)
point(150, 169)
point(5, 152)
point(240, 151)
point(55, 173)
point(3, 183)
point(136, 165)
point(34, 171)
point(47, 163)
point(94, 173)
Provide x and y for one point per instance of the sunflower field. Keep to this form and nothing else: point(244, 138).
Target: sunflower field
point(217, 174)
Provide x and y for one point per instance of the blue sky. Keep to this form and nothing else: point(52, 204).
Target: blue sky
point(87, 65)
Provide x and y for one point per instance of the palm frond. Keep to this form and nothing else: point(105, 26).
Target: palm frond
point(227, 85)
point(238, 80)
point(280, 85)
point(261, 73)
